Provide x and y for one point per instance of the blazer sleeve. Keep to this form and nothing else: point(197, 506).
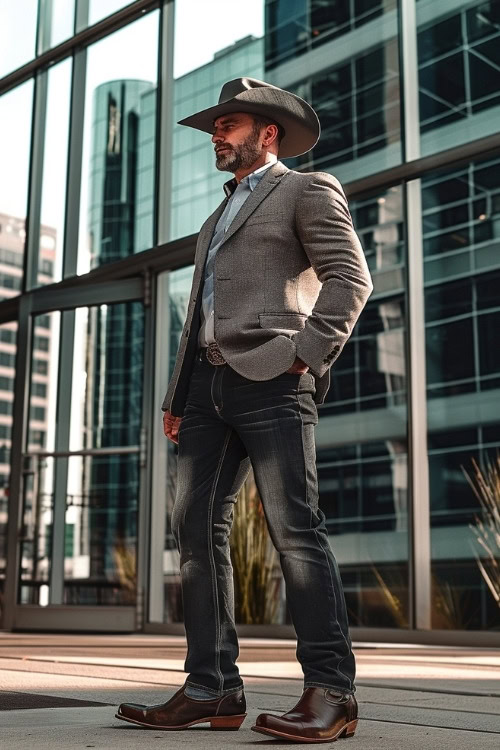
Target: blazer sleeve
point(325, 229)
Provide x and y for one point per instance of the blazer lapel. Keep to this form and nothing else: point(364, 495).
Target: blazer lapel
point(272, 178)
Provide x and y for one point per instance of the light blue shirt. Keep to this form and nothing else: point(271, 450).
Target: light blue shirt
point(238, 196)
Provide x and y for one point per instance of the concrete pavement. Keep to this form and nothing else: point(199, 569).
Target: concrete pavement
point(61, 691)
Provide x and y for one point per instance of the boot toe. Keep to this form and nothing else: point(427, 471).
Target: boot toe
point(133, 711)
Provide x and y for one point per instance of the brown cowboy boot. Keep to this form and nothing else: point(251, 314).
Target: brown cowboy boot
point(321, 715)
point(181, 712)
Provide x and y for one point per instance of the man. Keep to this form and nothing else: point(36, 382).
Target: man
point(280, 280)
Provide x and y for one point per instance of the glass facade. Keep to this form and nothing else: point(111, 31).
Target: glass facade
point(98, 170)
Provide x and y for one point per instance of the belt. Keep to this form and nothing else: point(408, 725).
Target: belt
point(212, 354)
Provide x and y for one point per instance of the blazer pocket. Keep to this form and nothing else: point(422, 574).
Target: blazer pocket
point(287, 320)
point(276, 217)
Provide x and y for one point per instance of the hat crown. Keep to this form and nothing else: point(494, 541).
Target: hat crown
point(231, 89)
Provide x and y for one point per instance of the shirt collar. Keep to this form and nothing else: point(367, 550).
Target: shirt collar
point(252, 179)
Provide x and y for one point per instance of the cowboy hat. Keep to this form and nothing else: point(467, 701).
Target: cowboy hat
point(296, 116)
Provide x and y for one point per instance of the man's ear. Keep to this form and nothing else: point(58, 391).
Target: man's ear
point(270, 135)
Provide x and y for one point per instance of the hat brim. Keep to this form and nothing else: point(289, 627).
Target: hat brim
point(296, 116)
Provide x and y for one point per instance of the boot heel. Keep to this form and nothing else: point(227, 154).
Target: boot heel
point(227, 722)
point(350, 729)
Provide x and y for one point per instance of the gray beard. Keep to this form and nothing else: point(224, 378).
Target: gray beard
point(239, 157)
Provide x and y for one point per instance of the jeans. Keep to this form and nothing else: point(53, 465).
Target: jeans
point(230, 423)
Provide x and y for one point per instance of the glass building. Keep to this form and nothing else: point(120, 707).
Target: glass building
point(102, 196)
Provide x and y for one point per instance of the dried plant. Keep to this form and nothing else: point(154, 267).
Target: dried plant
point(486, 527)
point(254, 560)
point(125, 566)
point(393, 602)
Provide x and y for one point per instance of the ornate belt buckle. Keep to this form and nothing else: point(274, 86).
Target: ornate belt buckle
point(214, 354)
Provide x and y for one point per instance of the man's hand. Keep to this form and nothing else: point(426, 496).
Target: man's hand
point(171, 426)
point(299, 367)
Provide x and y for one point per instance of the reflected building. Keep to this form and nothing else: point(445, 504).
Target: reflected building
point(196, 184)
point(12, 243)
point(122, 115)
point(350, 53)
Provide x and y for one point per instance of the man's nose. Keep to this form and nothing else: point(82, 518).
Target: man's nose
point(217, 137)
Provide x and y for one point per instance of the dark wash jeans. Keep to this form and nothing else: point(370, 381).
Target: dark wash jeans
point(231, 422)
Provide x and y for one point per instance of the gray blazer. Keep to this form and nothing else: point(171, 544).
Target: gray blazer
point(290, 280)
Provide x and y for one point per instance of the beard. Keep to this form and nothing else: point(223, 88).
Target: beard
point(241, 156)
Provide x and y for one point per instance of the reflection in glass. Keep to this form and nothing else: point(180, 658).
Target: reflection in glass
point(17, 36)
point(108, 366)
point(36, 539)
point(358, 105)
point(196, 183)
point(294, 27)
point(43, 382)
point(8, 333)
point(15, 116)
point(459, 73)
point(461, 245)
point(461, 233)
point(101, 530)
point(50, 255)
point(99, 9)
point(117, 198)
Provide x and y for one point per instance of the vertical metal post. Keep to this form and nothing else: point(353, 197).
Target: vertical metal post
point(63, 422)
point(74, 174)
point(19, 428)
point(419, 505)
point(145, 460)
point(165, 133)
point(159, 451)
point(36, 179)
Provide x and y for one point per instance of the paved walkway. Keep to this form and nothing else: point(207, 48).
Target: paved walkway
point(60, 691)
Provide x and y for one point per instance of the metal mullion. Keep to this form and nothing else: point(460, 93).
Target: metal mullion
point(119, 450)
point(74, 168)
point(35, 181)
point(159, 452)
point(63, 419)
point(44, 30)
point(145, 461)
point(164, 140)
point(418, 472)
point(126, 290)
point(19, 429)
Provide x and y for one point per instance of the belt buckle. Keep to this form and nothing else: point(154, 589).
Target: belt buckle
point(214, 354)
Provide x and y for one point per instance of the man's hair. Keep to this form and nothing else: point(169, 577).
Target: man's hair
point(262, 122)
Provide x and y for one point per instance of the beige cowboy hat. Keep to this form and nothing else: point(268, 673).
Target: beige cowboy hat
point(295, 115)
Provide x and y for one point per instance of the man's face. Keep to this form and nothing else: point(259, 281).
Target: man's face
point(237, 142)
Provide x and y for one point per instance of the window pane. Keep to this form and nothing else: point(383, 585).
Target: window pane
point(462, 309)
point(100, 538)
point(8, 333)
point(108, 365)
point(362, 473)
point(43, 382)
point(18, 22)
point(36, 544)
point(118, 175)
point(99, 9)
point(15, 116)
point(459, 73)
